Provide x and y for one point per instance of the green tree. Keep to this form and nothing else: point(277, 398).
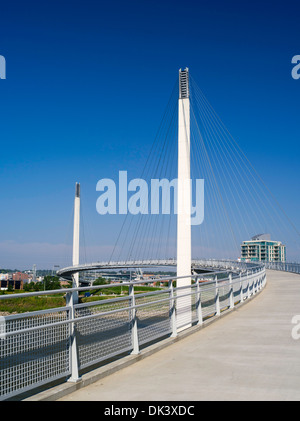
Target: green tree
point(38, 286)
point(99, 281)
point(51, 282)
point(10, 287)
point(28, 286)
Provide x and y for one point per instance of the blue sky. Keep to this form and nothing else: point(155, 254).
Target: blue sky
point(87, 84)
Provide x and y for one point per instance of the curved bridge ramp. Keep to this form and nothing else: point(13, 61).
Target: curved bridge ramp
point(250, 354)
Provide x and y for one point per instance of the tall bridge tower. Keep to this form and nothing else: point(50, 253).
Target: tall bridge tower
point(184, 255)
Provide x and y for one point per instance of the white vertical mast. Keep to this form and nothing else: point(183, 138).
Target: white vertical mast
point(76, 233)
point(184, 257)
point(73, 298)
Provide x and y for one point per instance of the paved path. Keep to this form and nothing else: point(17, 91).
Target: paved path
point(248, 355)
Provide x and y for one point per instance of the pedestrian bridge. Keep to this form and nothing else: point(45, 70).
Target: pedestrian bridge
point(251, 353)
point(59, 344)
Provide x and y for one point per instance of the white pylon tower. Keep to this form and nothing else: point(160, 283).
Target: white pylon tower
point(76, 231)
point(34, 273)
point(184, 255)
point(74, 296)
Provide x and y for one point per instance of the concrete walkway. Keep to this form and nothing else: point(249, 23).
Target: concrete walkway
point(248, 355)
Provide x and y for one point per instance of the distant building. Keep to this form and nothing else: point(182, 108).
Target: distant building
point(14, 280)
point(20, 276)
point(4, 284)
point(262, 249)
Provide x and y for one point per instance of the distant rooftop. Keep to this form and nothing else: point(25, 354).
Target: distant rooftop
point(266, 237)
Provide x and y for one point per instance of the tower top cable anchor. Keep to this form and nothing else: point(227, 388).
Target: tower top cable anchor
point(184, 84)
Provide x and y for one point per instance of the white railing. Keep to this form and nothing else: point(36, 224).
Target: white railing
point(284, 266)
point(39, 347)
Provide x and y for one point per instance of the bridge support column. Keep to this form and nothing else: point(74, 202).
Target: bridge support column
point(184, 257)
point(72, 298)
point(135, 337)
point(76, 231)
point(74, 366)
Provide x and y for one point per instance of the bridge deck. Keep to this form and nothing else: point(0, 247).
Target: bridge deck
point(248, 355)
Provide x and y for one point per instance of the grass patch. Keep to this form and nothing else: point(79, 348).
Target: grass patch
point(123, 290)
point(96, 298)
point(117, 291)
point(37, 303)
point(22, 305)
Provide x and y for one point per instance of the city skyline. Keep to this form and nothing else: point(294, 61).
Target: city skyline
point(86, 87)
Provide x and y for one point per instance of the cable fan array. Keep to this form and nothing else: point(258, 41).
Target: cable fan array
point(237, 203)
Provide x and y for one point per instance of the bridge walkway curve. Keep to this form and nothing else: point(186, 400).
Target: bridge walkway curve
point(248, 355)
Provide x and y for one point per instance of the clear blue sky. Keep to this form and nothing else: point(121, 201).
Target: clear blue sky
point(87, 84)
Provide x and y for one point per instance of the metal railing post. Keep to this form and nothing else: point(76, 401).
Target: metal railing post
point(172, 310)
point(71, 298)
point(265, 279)
point(135, 337)
point(248, 285)
point(231, 300)
point(241, 294)
point(198, 303)
point(260, 282)
point(217, 297)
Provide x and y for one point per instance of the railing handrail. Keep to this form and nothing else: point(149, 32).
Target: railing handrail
point(115, 284)
point(211, 296)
